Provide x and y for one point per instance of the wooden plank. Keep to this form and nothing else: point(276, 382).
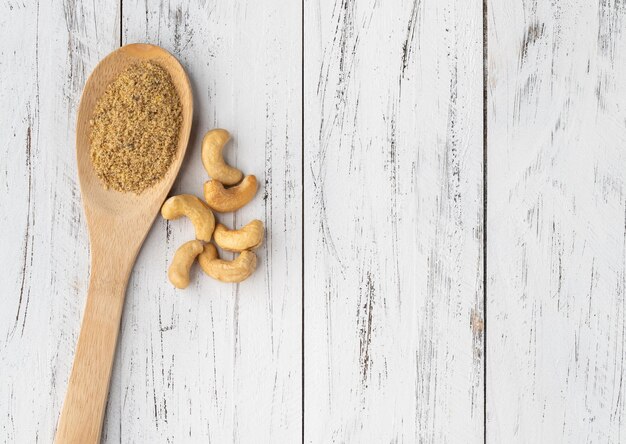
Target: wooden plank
point(556, 217)
point(393, 211)
point(218, 362)
point(47, 51)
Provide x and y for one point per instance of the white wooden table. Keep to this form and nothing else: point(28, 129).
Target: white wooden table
point(444, 188)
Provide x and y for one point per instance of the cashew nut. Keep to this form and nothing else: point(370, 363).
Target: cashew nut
point(227, 271)
point(226, 200)
point(213, 160)
point(197, 211)
point(248, 237)
point(178, 273)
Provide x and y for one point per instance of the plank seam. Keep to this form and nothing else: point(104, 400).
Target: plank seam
point(302, 360)
point(121, 21)
point(485, 155)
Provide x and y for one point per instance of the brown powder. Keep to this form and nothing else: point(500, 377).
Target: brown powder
point(134, 128)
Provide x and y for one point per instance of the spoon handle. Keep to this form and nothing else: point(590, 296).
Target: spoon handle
point(88, 386)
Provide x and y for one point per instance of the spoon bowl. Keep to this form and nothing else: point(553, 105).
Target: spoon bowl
point(118, 224)
point(108, 203)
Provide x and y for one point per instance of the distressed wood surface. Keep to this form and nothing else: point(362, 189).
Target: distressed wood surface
point(556, 222)
point(379, 196)
point(215, 363)
point(393, 221)
point(47, 51)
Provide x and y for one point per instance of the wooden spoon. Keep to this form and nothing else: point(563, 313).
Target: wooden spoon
point(118, 224)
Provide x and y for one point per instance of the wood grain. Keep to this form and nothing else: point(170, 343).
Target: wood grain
point(393, 216)
point(47, 51)
point(118, 224)
point(556, 218)
point(393, 221)
point(220, 362)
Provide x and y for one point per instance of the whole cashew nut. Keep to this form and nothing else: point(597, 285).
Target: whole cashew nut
point(213, 160)
point(226, 200)
point(248, 237)
point(227, 271)
point(178, 273)
point(197, 211)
